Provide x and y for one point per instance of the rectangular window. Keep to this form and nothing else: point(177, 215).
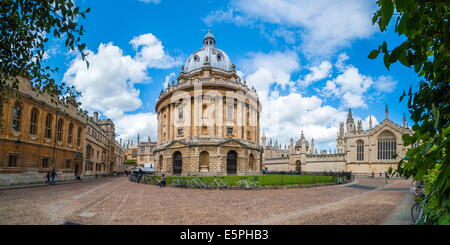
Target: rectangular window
point(229, 130)
point(12, 160)
point(142, 149)
point(229, 112)
point(68, 163)
point(180, 132)
point(180, 112)
point(45, 162)
point(204, 130)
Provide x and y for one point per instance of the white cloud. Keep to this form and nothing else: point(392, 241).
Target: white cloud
point(108, 85)
point(350, 85)
point(151, 52)
point(324, 26)
point(286, 116)
point(168, 79)
point(129, 126)
point(317, 73)
point(385, 84)
point(266, 69)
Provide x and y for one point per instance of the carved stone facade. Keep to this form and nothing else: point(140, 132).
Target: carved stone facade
point(360, 151)
point(208, 123)
point(39, 135)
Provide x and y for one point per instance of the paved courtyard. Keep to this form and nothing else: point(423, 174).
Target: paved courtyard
point(117, 201)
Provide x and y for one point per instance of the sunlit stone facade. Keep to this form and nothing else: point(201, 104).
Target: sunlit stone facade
point(208, 122)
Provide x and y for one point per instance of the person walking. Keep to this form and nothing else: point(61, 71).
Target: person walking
point(48, 178)
point(53, 176)
point(140, 174)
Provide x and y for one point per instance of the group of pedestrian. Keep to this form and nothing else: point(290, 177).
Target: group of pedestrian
point(51, 177)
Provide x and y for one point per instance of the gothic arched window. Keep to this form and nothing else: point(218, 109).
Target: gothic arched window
point(48, 126)
point(387, 146)
point(79, 136)
point(70, 134)
point(16, 117)
point(33, 121)
point(360, 150)
point(59, 133)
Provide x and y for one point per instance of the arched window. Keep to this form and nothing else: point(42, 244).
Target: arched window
point(70, 134)
point(16, 117)
point(196, 58)
point(251, 162)
point(48, 126)
point(79, 136)
point(387, 147)
point(232, 162)
point(59, 130)
point(360, 150)
point(204, 161)
point(160, 163)
point(33, 121)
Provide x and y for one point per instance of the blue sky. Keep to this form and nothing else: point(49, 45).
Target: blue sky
point(307, 59)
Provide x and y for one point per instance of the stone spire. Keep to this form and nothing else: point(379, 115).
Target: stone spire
point(138, 139)
point(341, 130)
point(370, 122)
point(386, 113)
point(405, 124)
point(350, 116)
point(313, 147)
point(264, 138)
point(350, 122)
point(359, 126)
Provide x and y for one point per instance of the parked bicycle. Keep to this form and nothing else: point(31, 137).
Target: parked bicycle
point(249, 183)
point(217, 183)
point(198, 183)
point(417, 210)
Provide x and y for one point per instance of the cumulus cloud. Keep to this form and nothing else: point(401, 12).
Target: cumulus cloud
point(323, 26)
point(284, 117)
point(108, 86)
point(267, 69)
point(386, 84)
point(129, 126)
point(168, 79)
point(317, 73)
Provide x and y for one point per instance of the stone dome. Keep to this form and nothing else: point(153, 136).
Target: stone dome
point(301, 141)
point(209, 55)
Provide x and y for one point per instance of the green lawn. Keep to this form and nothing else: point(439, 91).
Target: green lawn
point(269, 179)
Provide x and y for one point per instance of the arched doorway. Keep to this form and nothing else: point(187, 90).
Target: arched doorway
point(204, 161)
point(232, 162)
point(177, 163)
point(298, 166)
point(251, 162)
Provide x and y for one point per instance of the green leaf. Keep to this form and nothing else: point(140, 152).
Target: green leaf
point(374, 54)
point(386, 60)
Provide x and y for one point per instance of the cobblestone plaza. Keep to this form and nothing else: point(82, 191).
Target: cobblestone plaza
point(117, 201)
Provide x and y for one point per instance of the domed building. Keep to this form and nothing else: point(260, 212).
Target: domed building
point(208, 121)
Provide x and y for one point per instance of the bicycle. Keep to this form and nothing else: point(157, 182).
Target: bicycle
point(249, 184)
point(417, 210)
point(218, 184)
point(198, 183)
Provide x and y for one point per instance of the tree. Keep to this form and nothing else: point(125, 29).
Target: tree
point(426, 26)
point(25, 28)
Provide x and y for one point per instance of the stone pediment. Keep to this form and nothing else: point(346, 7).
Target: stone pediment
point(388, 124)
point(232, 142)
